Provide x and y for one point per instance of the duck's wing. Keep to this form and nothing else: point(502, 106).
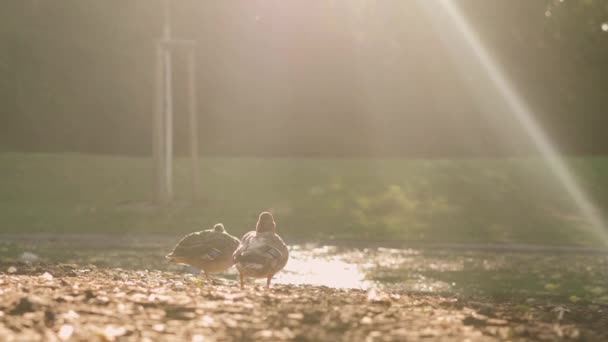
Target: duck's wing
point(232, 241)
point(243, 244)
point(262, 253)
point(204, 245)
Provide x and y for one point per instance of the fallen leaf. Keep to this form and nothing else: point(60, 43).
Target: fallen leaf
point(366, 320)
point(198, 338)
point(47, 276)
point(110, 333)
point(551, 287)
point(65, 332)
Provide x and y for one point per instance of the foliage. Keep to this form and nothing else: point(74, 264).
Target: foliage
point(514, 200)
point(586, 16)
point(329, 78)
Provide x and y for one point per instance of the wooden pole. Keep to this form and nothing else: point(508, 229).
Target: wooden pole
point(168, 104)
point(167, 15)
point(158, 141)
point(193, 115)
point(168, 96)
point(163, 119)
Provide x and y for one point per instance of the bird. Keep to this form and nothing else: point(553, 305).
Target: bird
point(261, 253)
point(209, 250)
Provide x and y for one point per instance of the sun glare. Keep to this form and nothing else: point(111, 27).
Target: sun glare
point(329, 270)
point(452, 17)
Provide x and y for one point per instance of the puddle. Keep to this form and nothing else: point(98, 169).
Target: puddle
point(416, 270)
point(331, 271)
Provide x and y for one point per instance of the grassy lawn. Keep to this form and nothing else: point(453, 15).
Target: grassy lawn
point(457, 200)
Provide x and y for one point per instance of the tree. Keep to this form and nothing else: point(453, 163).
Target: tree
point(577, 16)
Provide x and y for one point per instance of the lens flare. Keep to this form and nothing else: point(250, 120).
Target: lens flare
point(446, 15)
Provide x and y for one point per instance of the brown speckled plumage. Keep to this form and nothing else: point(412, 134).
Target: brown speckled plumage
point(262, 253)
point(208, 250)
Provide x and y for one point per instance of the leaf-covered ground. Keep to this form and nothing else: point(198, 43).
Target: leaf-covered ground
point(49, 302)
point(519, 273)
point(81, 287)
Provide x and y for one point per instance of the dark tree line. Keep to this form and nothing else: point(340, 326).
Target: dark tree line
point(298, 78)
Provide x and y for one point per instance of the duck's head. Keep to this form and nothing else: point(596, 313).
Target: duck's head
point(266, 223)
point(219, 228)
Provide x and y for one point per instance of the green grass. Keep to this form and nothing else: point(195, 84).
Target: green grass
point(478, 200)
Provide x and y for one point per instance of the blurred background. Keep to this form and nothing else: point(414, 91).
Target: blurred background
point(352, 120)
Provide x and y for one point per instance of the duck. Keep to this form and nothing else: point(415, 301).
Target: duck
point(261, 253)
point(209, 250)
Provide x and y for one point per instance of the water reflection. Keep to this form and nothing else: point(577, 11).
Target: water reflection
point(413, 270)
point(317, 267)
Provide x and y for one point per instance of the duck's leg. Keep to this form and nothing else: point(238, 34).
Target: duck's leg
point(206, 275)
point(242, 280)
point(268, 281)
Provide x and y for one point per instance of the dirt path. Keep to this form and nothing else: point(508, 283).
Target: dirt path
point(49, 302)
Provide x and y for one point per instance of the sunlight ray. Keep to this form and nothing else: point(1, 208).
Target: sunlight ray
point(452, 18)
